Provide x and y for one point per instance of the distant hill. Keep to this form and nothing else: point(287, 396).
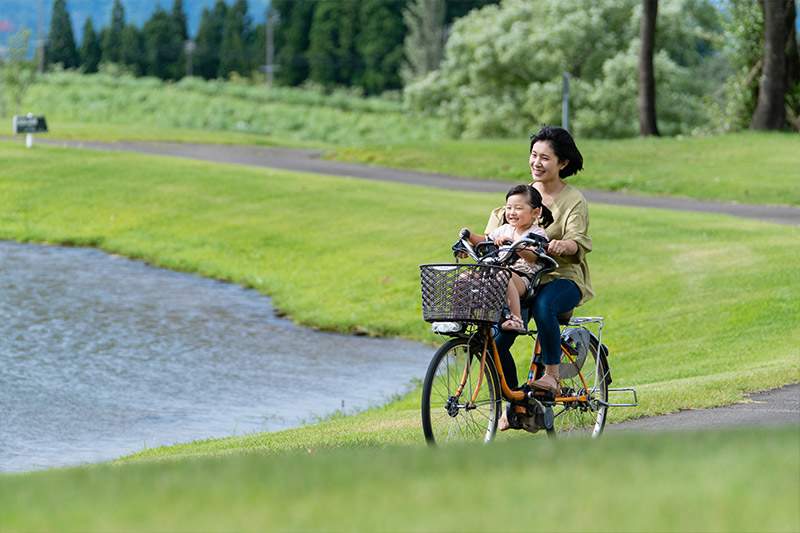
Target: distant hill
point(16, 14)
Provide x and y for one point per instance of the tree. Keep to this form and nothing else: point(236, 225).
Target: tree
point(111, 42)
point(234, 55)
point(181, 35)
point(503, 67)
point(292, 39)
point(770, 113)
point(90, 48)
point(178, 18)
point(459, 8)
point(379, 44)
point(424, 40)
point(131, 52)
point(163, 46)
point(332, 56)
point(18, 72)
point(209, 40)
point(792, 68)
point(61, 42)
point(647, 82)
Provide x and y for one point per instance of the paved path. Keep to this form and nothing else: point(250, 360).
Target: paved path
point(778, 406)
point(769, 408)
point(309, 161)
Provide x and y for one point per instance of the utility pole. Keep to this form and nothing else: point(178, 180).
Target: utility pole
point(188, 47)
point(40, 39)
point(565, 102)
point(270, 66)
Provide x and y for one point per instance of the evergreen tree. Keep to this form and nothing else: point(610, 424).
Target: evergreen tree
point(332, 55)
point(379, 44)
point(163, 47)
point(235, 36)
point(181, 35)
point(131, 52)
point(112, 35)
point(61, 42)
point(90, 48)
point(179, 20)
point(458, 8)
point(292, 39)
point(209, 40)
point(257, 47)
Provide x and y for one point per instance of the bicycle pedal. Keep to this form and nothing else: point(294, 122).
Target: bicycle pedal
point(543, 396)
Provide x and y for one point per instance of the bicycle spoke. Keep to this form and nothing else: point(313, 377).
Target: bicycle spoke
point(451, 382)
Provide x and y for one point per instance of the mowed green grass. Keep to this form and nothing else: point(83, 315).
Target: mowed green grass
point(698, 307)
point(749, 167)
point(715, 481)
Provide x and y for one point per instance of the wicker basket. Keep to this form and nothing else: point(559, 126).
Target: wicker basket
point(470, 293)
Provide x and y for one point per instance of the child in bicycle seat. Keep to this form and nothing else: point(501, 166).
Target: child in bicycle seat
point(524, 213)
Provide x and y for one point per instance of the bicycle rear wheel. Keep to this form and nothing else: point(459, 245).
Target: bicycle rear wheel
point(587, 417)
point(448, 412)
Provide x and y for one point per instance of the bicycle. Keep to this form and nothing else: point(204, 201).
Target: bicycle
point(464, 386)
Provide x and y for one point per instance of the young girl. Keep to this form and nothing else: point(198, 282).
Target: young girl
point(522, 212)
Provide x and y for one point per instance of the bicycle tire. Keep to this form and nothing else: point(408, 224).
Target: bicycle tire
point(589, 418)
point(447, 419)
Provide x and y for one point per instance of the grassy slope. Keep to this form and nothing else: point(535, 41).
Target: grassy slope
point(691, 302)
point(718, 481)
point(760, 168)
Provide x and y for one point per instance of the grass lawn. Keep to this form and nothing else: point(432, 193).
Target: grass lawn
point(691, 300)
point(714, 481)
point(699, 308)
point(749, 167)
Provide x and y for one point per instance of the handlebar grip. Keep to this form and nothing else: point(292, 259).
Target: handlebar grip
point(465, 234)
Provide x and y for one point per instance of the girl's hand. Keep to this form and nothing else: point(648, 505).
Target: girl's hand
point(500, 241)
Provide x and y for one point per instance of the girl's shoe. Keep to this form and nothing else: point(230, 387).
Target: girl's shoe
point(512, 323)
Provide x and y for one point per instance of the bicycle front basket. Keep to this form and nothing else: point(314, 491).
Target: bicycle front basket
point(472, 293)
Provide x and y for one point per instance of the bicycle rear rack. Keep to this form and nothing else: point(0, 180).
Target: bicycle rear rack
point(627, 389)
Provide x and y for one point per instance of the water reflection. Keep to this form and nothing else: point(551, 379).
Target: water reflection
point(103, 356)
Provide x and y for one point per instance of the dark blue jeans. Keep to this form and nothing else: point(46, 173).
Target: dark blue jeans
point(555, 298)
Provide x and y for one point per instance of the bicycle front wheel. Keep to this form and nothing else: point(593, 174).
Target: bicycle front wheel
point(449, 413)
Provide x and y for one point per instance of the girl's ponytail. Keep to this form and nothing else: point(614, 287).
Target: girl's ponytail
point(546, 218)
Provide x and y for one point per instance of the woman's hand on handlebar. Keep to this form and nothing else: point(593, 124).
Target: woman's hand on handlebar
point(559, 248)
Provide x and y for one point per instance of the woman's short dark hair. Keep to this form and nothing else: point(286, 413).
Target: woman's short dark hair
point(563, 146)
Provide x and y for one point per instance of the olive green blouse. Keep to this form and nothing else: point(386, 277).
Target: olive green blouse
point(570, 221)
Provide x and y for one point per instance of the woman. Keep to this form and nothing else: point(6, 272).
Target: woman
point(554, 157)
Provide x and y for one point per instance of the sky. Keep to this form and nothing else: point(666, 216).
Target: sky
point(16, 14)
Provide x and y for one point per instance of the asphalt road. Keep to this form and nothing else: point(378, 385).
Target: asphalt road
point(777, 406)
point(768, 408)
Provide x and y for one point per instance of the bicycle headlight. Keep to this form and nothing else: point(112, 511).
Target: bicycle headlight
point(445, 327)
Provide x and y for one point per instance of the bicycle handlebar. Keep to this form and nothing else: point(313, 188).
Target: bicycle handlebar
point(539, 247)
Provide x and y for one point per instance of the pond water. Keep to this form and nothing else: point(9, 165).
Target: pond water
point(101, 356)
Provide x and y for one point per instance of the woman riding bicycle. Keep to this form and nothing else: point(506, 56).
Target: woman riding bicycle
point(553, 157)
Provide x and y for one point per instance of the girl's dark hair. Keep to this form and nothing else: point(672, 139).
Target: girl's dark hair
point(564, 147)
point(535, 200)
